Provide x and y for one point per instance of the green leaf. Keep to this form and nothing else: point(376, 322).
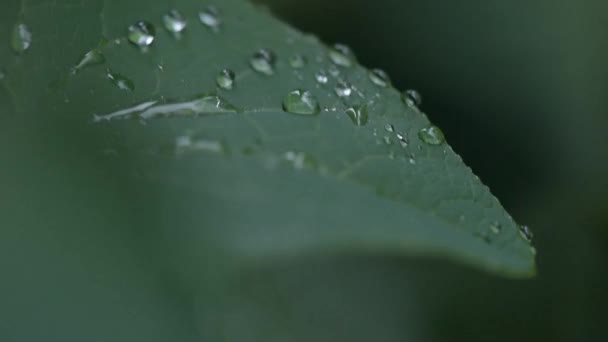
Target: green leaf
point(200, 179)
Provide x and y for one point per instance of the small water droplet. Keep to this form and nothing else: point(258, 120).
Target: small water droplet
point(301, 102)
point(297, 61)
point(21, 39)
point(388, 140)
point(526, 233)
point(402, 139)
point(91, 58)
point(225, 79)
point(431, 135)
point(533, 250)
point(358, 114)
point(389, 128)
point(120, 81)
point(210, 17)
point(263, 61)
point(185, 144)
point(412, 98)
point(412, 160)
point(174, 22)
point(142, 34)
point(379, 78)
point(341, 55)
point(496, 227)
point(300, 160)
point(343, 89)
point(321, 77)
point(334, 71)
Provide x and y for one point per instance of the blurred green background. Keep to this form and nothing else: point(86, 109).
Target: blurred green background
point(519, 88)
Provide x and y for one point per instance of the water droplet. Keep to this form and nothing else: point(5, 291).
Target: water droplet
point(297, 61)
point(300, 160)
point(402, 139)
point(526, 233)
point(389, 128)
point(533, 250)
point(205, 104)
point(91, 58)
point(412, 98)
point(301, 102)
point(142, 34)
point(379, 78)
point(174, 22)
point(21, 39)
point(343, 89)
point(210, 17)
point(187, 144)
point(412, 160)
point(496, 227)
point(321, 77)
point(122, 82)
point(225, 79)
point(263, 61)
point(484, 237)
point(388, 140)
point(432, 135)
point(358, 114)
point(341, 55)
point(334, 71)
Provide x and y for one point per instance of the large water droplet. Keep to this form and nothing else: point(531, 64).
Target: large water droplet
point(321, 77)
point(402, 139)
point(21, 38)
point(432, 135)
point(263, 61)
point(297, 61)
point(341, 55)
point(301, 102)
point(358, 115)
point(526, 233)
point(91, 58)
point(226, 79)
point(379, 78)
point(174, 22)
point(343, 89)
point(389, 128)
point(210, 17)
point(120, 81)
point(412, 98)
point(142, 34)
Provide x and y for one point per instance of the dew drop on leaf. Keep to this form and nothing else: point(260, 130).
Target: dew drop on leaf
point(402, 139)
point(412, 98)
point(379, 78)
point(174, 22)
point(358, 115)
point(21, 38)
point(263, 61)
point(297, 61)
point(210, 17)
point(301, 102)
point(142, 34)
point(389, 128)
point(185, 144)
point(341, 55)
point(526, 233)
point(91, 58)
point(120, 81)
point(321, 77)
point(226, 79)
point(431, 135)
point(343, 89)
point(496, 227)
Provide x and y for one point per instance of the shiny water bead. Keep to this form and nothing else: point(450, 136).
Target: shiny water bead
point(343, 89)
point(226, 79)
point(21, 38)
point(379, 78)
point(431, 135)
point(341, 55)
point(120, 81)
point(210, 17)
point(358, 115)
point(412, 98)
point(301, 102)
point(91, 58)
point(263, 61)
point(174, 22)
point(321, 77)
point(141, 34)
